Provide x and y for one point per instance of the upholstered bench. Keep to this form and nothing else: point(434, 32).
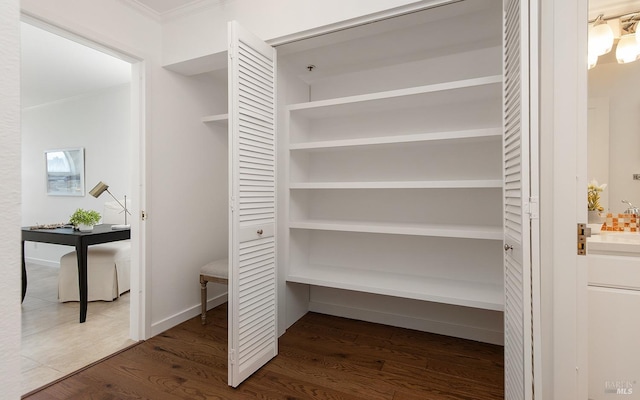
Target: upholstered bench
point(108, 272)
point(216, 271)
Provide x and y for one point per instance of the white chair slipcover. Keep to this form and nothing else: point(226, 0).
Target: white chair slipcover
point(108, 265)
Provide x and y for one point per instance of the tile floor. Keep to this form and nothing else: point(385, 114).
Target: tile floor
point(54, 343)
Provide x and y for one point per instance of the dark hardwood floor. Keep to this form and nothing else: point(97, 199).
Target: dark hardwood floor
point(320, 357)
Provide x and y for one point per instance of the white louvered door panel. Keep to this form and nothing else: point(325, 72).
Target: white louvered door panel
point(517, 261)
point(253, 339)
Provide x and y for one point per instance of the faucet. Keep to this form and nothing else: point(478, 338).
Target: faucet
point(631, 209)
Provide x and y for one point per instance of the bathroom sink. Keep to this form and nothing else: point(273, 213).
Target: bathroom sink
point(615, 243)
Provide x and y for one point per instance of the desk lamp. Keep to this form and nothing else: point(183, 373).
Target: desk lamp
point(102, 187)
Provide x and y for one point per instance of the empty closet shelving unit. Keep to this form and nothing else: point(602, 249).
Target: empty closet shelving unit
point(389, 169)
point(393, 163)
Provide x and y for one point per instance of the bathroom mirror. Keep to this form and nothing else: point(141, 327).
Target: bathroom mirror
point(614, 130)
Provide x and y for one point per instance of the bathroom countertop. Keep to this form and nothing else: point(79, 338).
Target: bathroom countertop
point(614, 243)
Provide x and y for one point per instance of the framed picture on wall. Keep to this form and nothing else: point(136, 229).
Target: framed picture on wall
point(65, 172)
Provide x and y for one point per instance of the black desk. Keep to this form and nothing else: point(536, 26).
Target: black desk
point(80, 240)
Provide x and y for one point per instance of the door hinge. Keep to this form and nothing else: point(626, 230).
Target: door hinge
point(232, 356)
point(583, 233)
point(143, 215)
point(533, 208)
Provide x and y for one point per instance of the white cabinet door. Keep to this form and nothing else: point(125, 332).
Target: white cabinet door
point(252, 317)
point(517, 229)
point(614, 354)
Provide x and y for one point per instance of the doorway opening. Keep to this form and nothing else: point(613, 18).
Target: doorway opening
point(82, 95)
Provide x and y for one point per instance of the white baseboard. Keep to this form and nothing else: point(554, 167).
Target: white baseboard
point(177, 319)
point(404, 321)
point(41, 261)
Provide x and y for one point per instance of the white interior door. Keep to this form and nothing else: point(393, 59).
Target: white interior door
point(517, 205)
point(252, 317)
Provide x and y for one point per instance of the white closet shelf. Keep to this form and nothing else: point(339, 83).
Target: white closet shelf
point(475, 294)
point(217, 118)
point(494, 133)
point(448, 184)
point(211, 62)
point(450, 231)
point(474, 89)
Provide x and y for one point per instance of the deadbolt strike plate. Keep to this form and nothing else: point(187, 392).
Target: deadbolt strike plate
point(583, 233)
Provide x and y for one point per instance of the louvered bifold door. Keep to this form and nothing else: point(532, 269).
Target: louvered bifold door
point(517, 260)
point(252, 264)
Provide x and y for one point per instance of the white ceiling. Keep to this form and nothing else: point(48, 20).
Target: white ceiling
point(55, 68)
point(165, 6)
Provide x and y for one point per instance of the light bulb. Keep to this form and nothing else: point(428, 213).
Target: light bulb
point(628, 49)
point(592, 60)
point(600, 38)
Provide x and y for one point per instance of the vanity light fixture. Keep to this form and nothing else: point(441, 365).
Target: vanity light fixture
point(628, 49)
point(602, 38)
point(592, 59)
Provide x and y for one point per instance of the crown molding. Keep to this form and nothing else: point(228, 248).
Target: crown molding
point(192, 7)
point(142, 9)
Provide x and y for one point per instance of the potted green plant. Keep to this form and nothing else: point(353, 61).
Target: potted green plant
point(84, 220)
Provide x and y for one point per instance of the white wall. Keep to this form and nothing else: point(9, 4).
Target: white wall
point(619, 83)
point(10, 199)
point(100, 123)
point(203, 33)
point(189, 180)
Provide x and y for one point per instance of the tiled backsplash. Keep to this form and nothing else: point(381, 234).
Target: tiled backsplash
point(621, 223)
